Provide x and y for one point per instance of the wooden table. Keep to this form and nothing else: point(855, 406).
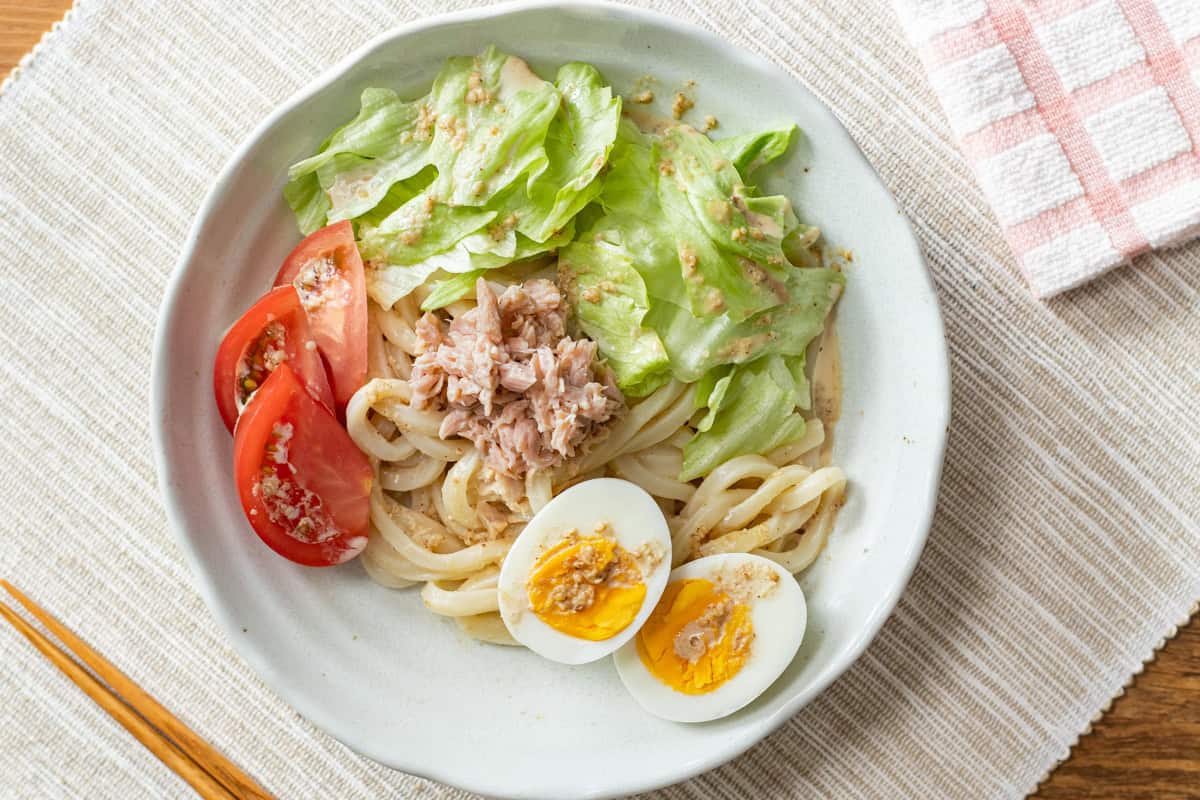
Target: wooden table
point(1147, 745)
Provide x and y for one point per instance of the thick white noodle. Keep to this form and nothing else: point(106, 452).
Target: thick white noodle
point(539, 489)
point(459, 602)
point(367, 436)
point(487, 628)
point(380, 569)
point(634, 469)
point(384, 558)
point(816, 533)
point(412, 473)
point(395, 522)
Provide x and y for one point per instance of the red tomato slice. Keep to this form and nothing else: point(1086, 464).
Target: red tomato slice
point(275, 330)
point(304, 485)
point(327, 271)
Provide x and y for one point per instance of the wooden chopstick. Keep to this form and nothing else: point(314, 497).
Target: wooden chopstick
point(154, 741)
point(197, 762)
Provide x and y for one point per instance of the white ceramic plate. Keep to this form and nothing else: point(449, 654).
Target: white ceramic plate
point(370, 665)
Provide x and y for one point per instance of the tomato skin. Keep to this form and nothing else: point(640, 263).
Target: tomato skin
point(280, 306)
point(319, 459)
point(327, 271)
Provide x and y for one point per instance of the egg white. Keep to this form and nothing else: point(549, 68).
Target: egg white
point(779, 620)
point(633, 519)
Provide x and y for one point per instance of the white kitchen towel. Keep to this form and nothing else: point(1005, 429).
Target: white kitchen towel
point(1064, 547)
point(1081, 119)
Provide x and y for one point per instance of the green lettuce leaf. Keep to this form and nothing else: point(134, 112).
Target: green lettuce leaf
point(356, 186)
point(697, 345)
point(716, 384)
point(447, 290)
point(492, 114)
point(705, 386)
point(635, 220)
point(631, 184)
point(450, 290)
point(757, 413)
point(750, 151)
point(638, 227)
point(423, 227)
point(800, 379)
point(481, 127)
point(727, 241)
point(650, 247)
point(578, 142)
point(609, 301)
point(357, 165)
point(436, 197)
point(399, 194)
point(375, 133)
point(421, 237)
point(308, 202)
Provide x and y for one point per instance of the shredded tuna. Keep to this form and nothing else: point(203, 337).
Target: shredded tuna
point(512, 381)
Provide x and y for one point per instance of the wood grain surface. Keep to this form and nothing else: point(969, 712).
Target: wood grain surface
point(22, 24)
point(1147, 745)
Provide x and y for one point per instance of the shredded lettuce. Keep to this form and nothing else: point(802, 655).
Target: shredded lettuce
point(610, 300)
point(756, 413)
point(750, 151)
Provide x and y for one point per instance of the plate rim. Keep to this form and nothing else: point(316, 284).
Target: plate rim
point(939, 408)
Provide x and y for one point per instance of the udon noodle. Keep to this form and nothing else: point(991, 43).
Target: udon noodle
point(443, 519)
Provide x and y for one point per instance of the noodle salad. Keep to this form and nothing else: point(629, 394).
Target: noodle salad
point(513, 289)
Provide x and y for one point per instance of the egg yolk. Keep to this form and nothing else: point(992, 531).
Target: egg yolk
point(589, 588)
point(697, 638)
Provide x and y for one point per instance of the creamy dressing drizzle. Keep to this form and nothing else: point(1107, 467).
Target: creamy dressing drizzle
point(648, 121)
point(351, 185)
point(769, 227)
point(827, 384)
point(516, 76)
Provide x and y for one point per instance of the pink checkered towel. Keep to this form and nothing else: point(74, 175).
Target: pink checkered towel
point(1080, 117)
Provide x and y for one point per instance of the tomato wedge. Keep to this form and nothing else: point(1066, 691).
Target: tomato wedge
point(273, 331)
point(327, 271)
point(304, 485)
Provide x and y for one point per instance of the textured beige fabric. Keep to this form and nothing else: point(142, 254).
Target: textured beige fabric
point(1067, 539)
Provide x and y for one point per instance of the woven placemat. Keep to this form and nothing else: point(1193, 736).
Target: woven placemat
point(1066, 539)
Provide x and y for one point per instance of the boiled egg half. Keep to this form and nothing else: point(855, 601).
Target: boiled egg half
point(586, 572)
point(725, 629)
